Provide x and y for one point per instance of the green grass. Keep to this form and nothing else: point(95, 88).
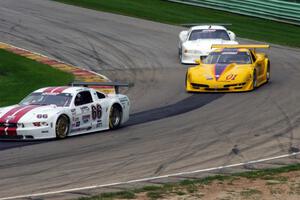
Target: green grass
point(20, 76)
point(174, 13)
point(191, 186)
point(109, 196)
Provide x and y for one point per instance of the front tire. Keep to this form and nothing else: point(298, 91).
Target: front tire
point(62, 127)
point(115, 117)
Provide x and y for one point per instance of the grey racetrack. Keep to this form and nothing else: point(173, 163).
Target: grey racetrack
point(170, 130)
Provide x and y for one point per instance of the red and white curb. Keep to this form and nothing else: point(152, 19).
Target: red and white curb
point(80, 74)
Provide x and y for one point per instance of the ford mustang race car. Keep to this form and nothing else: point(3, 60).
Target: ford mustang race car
point(196, 42)
point(229, 68)
point(58, 112)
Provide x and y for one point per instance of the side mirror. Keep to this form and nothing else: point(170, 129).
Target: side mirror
point(231, 35)
point(183, 35)
point(198, 61)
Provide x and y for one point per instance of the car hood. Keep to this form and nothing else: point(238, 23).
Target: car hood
point(205, 43)
point(220, 73)
point(19, 113)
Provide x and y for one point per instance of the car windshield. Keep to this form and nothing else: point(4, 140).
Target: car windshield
point(209, 34)
point(228, 57)
point(38, 98)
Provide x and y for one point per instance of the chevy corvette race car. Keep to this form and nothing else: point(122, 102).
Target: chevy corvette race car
point(196, 42)
point(229, 68)
point(58, 112)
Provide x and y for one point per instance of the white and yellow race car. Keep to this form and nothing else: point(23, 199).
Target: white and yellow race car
point(229, 68)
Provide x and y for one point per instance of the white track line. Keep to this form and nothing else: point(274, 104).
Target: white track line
point(149, 178)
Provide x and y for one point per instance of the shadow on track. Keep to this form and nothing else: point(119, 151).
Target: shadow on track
point(186, 105)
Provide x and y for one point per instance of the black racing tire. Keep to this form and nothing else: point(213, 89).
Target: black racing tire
point(254, 80)
point(180, 55)
point(185, 83)
point(115, 116)
point(62, 127)
point(185, 80)
point(268, 74)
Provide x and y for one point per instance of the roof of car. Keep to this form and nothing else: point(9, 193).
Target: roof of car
point(61, 89)
point(205, 27)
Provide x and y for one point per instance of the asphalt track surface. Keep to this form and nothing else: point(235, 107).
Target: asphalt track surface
point(170, 130)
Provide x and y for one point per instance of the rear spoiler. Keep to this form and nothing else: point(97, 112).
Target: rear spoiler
point(197, 24)
point(116, 85)
point(239, 46)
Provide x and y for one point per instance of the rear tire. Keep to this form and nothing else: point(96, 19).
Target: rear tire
point(115, 116)
point(268, 74)
point(254, 80)
point(62, 127)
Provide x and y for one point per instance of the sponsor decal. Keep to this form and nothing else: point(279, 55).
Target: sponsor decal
point(85, 109)
point(231, 77)
point(99, 124)
point(75, 119)
point(10, 118)
point(86, 118)
point(76, 124)
point(45, 131)
point(208, 30)
point(73, 111)
point(208, 77)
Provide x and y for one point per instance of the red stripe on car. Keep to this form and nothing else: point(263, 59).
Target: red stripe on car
point(13, 116)
point(59, 90)
point(54, 90)
point(18, 115)
point(11, 131)
point(10, 113)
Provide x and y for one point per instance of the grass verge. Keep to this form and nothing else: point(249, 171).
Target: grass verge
point(19, 76)
point(270, 176)
point(174, 13)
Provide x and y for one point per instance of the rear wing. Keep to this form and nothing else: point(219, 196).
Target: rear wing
point(98, 85)
point(239, 46)
point(205, 24)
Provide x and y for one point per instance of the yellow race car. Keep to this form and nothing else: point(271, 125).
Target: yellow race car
point(229, 68)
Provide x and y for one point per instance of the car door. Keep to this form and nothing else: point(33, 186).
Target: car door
point(99, 111)
point(82, 119)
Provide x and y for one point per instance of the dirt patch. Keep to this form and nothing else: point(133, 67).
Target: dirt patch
point(279, 186)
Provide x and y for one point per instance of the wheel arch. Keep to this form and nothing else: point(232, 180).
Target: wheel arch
point(119, 106)
point(69, 122)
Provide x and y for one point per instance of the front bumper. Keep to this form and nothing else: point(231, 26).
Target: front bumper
point(189, 58)
point(29, 133)
point(219, 87)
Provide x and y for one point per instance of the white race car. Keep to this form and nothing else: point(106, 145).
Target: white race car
point(58, 112)
point(196, 42)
